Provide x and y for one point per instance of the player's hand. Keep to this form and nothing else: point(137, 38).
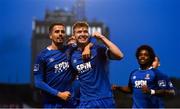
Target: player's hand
point(64, 95)
point(146, 90)
point(98, 35)
point(86, 54)
point(114, 87)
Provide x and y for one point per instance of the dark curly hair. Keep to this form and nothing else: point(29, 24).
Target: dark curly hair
point(150, 51)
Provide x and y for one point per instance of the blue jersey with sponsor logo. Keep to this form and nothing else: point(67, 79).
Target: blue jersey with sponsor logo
point(154, 79)
point(92, 74)
point(53, 73)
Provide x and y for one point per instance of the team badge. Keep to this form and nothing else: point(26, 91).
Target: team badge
point(36, 67)
point(74, 61)
point(162, 83)
point(147, 76)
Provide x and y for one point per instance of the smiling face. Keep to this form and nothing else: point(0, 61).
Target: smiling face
point(143, 57)
point(156, 63)
point(57, 34)
point(80, 30)
point(81, 34)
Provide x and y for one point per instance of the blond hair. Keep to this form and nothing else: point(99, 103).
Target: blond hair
point(80, 24)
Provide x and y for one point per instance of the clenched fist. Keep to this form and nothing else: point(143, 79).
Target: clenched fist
point(64, 95)
point(98, 35)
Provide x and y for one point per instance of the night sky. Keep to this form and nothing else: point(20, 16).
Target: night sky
point(131, 22)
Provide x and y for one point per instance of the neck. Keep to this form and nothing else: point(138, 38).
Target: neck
point(56, 46)
point(145, 67)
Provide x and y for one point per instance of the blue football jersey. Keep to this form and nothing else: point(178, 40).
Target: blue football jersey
point(92, 73)
point(154, 79)
point(53, 73)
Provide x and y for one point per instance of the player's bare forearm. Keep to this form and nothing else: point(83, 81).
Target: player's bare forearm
point(87, 51)
point(160, 92)
point(124, 89)
point(165, 92)
point(115, 52)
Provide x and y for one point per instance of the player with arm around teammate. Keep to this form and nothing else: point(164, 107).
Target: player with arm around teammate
point(95, 89)
point(53, 73)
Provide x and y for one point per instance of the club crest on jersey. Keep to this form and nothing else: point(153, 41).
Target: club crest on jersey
point(147, 76)
point(162, 83)
point(140, 83)
point(134, 77)
point(74, 61)
point(84, 67)
point(61, 67)
point(36, 67)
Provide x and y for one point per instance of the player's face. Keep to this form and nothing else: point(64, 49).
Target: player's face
point(143, 57)
point(58, 34)
point(81, 34)
point(71, 40)
point(156, 63)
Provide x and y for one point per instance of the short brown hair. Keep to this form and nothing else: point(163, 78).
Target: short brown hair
point(54, 24)
point(80, 24)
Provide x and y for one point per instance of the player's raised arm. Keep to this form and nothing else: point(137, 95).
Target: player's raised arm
point(115, 52)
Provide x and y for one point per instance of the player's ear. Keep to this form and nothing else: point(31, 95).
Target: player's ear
point(50, 36)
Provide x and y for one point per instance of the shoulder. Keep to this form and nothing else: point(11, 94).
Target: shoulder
point(76, 53)
point(134, 71)
point(132, 75)
point(42, 53)
point(100, 48)
point(159, 74)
